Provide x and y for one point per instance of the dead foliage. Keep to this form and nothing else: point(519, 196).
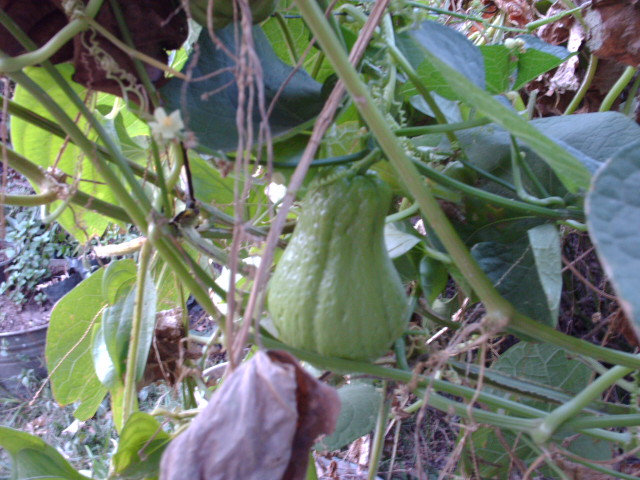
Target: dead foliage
point(155, 26)
point(261, 423)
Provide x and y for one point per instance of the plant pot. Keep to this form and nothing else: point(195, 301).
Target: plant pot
point(20, 351)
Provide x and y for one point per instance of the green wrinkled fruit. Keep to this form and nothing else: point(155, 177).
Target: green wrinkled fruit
point(335, 290)
point(223, 11)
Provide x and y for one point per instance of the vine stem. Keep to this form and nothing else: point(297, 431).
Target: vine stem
point(529, 418)
point(584, 86)
point(617, 88)
point(130, 391)
point(500, 313)
point(44, 198)
point(378, 436)
point(554, 420)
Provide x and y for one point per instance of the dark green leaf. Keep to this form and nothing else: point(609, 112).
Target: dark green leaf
point(539, 57)
point(613, 216)
point(433, 278)
point(592, 138)
point(449, 108)
point(563, 161)
point(448, 45)
point(209, 106)
point(526, 272)
point(545, 365)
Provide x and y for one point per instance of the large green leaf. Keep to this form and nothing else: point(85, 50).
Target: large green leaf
point(117, 322)
point(545, 365)
point(48, 150)
point(119, 279)
point(140, 448)
point(449, 46)
point(358, 411)
point(571, 172)
point(537, 58)
point(526, 272)
point(499, 66)
point(68, 350)
point(592, 138)
point(33, 458)
point(613, 216)
point(212, 187)
point(209, 104)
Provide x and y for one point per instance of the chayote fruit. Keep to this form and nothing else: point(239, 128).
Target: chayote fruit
point(335, 290)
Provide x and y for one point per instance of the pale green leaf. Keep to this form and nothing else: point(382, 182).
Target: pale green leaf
point(47, 150)
point(68, 350)
point(538, 57)
point(359, 408)
point(545, 245)
point(140, 447)
point(398, 242)
point(33, 458)
point(118, 280)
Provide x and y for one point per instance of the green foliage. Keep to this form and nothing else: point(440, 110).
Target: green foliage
point(68, 351)
point(34, 246)
point(46, 150)
point(494, 192)
point(360, 403)
point(545, 365)
point(141, 445)
point(213, 118)
point(613, 212)
point(527, 271)
point(33, 458)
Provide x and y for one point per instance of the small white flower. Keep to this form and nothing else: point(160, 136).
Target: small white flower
point(166, 126)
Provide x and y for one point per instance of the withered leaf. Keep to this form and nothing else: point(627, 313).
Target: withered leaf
point(260, 424)
point(154, 25)
point(613, 30)
point(40, 20)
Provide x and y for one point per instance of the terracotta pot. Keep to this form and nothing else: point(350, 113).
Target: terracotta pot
point(21, 351)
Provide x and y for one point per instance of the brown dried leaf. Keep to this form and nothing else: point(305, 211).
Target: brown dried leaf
point(155, 26)
point(260, 424)
point(519, 12)
point(40, 20)
point(613, 30)
point(169, 350)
